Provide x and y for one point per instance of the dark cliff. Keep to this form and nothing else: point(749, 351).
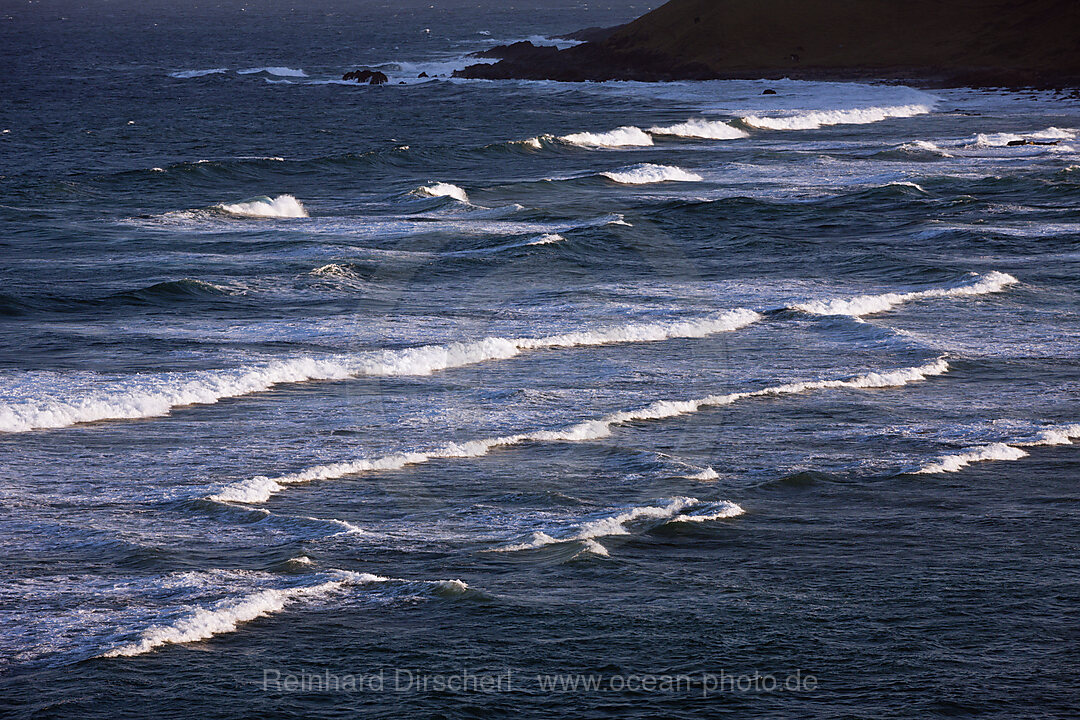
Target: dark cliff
point(958, 42)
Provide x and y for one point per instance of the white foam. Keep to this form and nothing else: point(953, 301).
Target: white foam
point(1003, 139)
point(702, 128)
point(588, 532)
point(547, 239)
point(594, 548)
point(154, 396)
point(1002, 451)
point(441, 189)
point(953, 463)
point(710, 512)
point(906, 183)
point(283, 206)
point(922, 146)
point(1059, 435)
point(262, 488)
point(815, 119)
point(648, 173)
point(333, 270)
point(625, 136)
point(202, 623)
point(705, 475)
point(186, 74)
point(274, 70)
point(991, 282)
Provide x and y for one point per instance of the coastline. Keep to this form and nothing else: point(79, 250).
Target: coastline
point(960, 44)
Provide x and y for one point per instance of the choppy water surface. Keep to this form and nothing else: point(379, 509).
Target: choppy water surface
point(443, 376)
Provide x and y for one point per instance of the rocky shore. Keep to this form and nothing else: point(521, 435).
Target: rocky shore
point(933, 42)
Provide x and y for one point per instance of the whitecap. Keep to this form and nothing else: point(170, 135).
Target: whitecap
point(1002, 451)
point(815, 119)
point(283, 206)
point(150, 396)
point(646, 173)
point(186, 74)
point(262, 488)
point(991, 282)
point(702, 128)
point(274, 70)
point(625, 136)
point(441, 189)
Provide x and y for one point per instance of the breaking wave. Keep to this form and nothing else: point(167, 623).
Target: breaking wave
point(225, 616)
point(156, 396)
point(187, 74)
point(262, 488)
point(1011, 450)
point(1003, 139)
point(674, 510)
point(702, 128)
point(441, 189)
point(819, 118)
point(283, 206)
point(648, 173)
point(625, 136)
point(991, 282)
point(274, 70)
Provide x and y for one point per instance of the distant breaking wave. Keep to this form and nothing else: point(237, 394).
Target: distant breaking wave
point(819, 118)
point(619, 137)
point(675, 510)
point(283, 206)
point(1011, 450)
point(1003, 139)
point(157, 395)
point(225, 616)
point(186, 74)
point(441, 189)
point(648, 173)
point(702, 128)
point(261, 488)
point(992, 282)
point(274, 70)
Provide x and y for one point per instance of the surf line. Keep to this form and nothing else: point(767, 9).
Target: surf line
point(261, 488)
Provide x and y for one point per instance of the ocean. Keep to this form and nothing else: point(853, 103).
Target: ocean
point(476, 399)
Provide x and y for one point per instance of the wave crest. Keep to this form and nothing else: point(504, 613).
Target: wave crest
point(991, 282)
point(702, 128)
point(283, 206)
point(819, 118)
point(156, 396)
point(646, 173)
point(625, 136)
point(262, 488)
point(441, 189)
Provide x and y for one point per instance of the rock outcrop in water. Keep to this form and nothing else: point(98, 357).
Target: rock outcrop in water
point(942, 42)
point(372, 77)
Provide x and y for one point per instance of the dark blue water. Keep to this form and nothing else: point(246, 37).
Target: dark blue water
point(517, 399)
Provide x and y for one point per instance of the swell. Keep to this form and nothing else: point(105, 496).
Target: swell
point(158, 395)
point(261, 488)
